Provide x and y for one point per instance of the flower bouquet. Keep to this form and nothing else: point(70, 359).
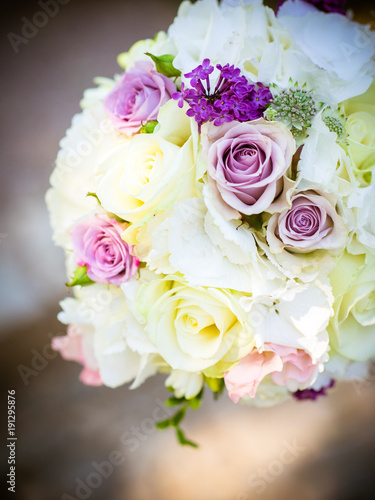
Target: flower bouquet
point(215, 204)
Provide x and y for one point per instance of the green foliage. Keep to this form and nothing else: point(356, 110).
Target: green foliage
point(80, 277)
point(183, 440)
point(178, 417)
point(216, 385)
point(164, 65)
point(254, 221)
point(148, 127)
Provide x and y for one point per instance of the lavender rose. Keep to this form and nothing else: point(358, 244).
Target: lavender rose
point(137, 97)
point(97, 244)
point(247, 161)
point(311, 223)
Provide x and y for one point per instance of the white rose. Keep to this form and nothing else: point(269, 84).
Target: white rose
point(151, 171)
point(352, 329)
point(360, 128)
point(194, 328)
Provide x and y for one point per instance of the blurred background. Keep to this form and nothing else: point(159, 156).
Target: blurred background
point(68, 433)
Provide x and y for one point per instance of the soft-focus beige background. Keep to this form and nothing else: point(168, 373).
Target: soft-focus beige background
point(62, 426)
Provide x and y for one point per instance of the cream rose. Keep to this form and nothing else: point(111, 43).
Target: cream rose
point(194, 328)
point(352, 329)
point(151, 171)
point(360, 128)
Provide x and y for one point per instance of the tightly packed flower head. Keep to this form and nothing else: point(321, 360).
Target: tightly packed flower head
point(233, 97)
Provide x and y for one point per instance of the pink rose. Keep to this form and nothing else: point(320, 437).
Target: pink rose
point(247, 161)
point(287, 366)
point(77, 345)
point(97, 244)
point(298, 367)
point(137, 97)
point(310, 224)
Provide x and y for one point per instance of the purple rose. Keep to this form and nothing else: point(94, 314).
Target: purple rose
point(247, 161)
point(311, 223)
point(97, 244)
point(137, 97)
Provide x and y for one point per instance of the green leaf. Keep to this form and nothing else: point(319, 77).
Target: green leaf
point(195, 402)
point(215, 384)
point(80, 277)
point(164, 65)
point(255, 221)
point(173, 401)
point(148, 127)
point(163, 424)
point(173, 421)
point(178, 417)
point(183, 440)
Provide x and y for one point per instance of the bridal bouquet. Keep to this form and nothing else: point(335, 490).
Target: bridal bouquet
point(216, 201)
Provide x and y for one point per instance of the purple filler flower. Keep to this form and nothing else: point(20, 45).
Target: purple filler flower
point(233, 98)
point(137, 97)
point(97, 244)
point(312, 393)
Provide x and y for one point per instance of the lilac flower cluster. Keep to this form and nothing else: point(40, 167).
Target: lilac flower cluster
point(337, 6)
point(312, 393)
point(233, 97)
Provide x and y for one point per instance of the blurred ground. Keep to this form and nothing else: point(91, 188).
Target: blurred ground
point(313, 451)
point(320, 450)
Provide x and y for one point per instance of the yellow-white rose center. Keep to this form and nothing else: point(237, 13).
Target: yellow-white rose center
point(361, 128)
point(199, 331)
point(141, 169)
point(364, 310)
